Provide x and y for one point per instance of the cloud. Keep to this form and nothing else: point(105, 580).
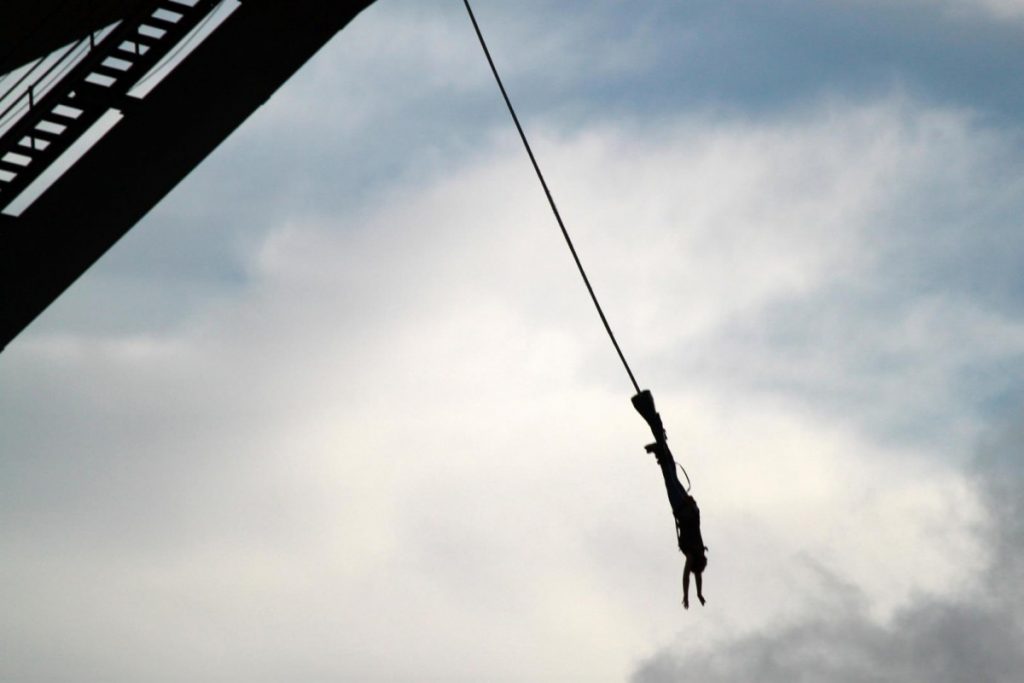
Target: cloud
point(404, 95)
point(340, 409)
point(972, 636)
point(403, 448)
point(1002, 9)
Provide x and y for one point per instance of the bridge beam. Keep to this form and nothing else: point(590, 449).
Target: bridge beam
point(157, 143)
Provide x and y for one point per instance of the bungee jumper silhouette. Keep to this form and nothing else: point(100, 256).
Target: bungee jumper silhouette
point(684, 507)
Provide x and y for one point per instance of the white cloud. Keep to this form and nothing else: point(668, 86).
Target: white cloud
point(972, 634)
point(405, 448)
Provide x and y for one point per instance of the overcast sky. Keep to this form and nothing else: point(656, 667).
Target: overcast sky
point(339, 408)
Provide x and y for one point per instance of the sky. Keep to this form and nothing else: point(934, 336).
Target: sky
point(339, 408)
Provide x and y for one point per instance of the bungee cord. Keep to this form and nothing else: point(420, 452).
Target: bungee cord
point(554, 210)
point(547, 193)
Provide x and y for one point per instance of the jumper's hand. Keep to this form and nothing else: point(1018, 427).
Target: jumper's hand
point(701, 598)
point(686, 603)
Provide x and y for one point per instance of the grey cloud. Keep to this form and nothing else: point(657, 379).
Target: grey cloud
point(923, 338)
point(623, 59)
point(404, 93)
point(140, 484)
point(974, 637)
point(763, 57)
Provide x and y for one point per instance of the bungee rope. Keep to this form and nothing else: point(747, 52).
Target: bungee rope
point(558, 218)
point(551, 199)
